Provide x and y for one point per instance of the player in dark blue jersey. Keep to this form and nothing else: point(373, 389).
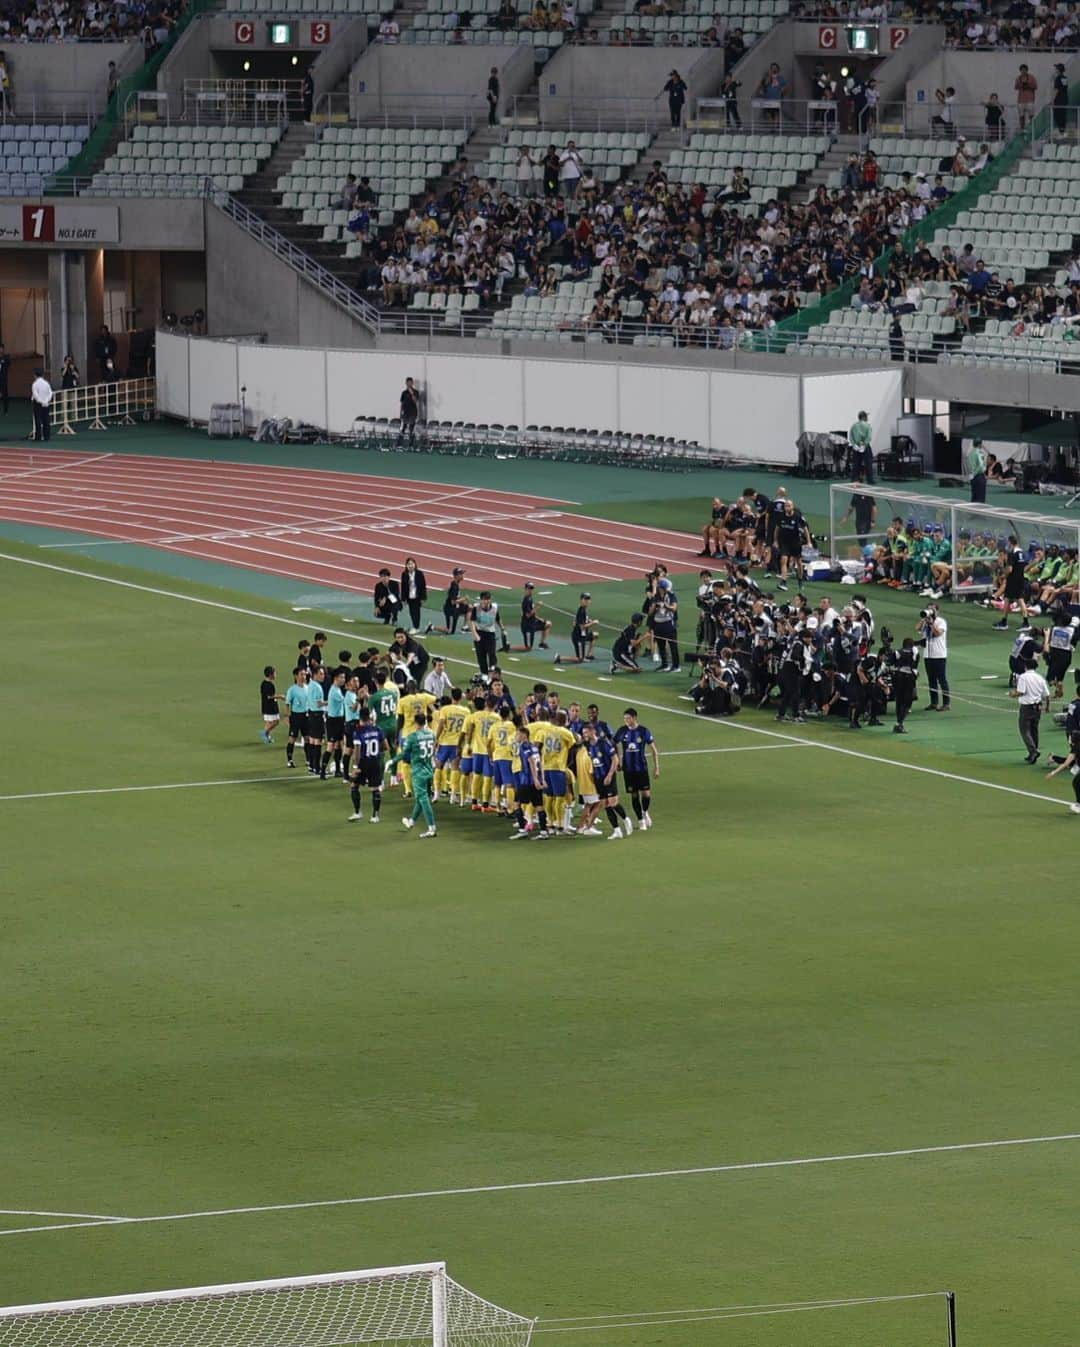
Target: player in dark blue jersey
point(604, 760)
point(602, 728)
point(633, 742)
point(366, 768)
point(528, 788)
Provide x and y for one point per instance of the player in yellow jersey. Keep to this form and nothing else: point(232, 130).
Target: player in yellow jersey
point(484, 719)
point(555, 749)
point(502, 743)
point(448, 724)
point(464, 761)
point(412, 703)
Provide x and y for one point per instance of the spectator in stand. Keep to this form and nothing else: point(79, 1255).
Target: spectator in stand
point(995, 118)
point(1061, 101)
point(493, 96)
point(870, 172)
point(675, 88)
point(389, 30)
point(1026, 86)
point(771, 90)
point(729, 92)
point(734, 49)
point(346, 197)
point(944, 120)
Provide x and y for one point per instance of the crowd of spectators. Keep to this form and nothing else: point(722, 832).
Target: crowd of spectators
point(972, 25)
point(685, 261)
point(87, 21)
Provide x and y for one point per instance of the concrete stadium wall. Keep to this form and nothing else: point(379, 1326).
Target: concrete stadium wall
point(434, 81)
point(59, 71)
point(250, 289)
point(746, 414)
point(975, 75)
point(622, 81)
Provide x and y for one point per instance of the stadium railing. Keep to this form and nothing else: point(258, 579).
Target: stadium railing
point(71, 107)
point(121, 402)
point(442, 111)
point(226, 100)
point(584, 113)
point(968, 120)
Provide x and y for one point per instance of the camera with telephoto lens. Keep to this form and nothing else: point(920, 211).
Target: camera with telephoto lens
point(886, 638)
point(929, 613)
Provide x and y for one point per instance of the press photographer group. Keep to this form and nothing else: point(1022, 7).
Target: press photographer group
point(809, 661)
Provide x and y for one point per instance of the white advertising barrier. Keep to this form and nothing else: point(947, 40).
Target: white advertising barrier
point(746, 414)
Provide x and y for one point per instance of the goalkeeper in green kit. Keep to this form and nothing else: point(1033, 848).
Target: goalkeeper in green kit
point(418, 750)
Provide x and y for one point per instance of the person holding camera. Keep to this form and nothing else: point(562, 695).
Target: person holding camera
point(934, 637)
point(665, 626)
point(905, 674)
point(1032, 691)
point(624, 648)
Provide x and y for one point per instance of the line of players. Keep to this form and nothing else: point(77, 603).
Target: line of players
point(476, 749)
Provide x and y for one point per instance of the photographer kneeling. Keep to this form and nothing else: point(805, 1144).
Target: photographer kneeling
point(719, 689)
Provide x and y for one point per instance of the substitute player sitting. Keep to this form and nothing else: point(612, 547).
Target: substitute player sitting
point(714, 535)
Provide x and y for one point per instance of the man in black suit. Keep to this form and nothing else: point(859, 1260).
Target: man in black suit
point(387, 598)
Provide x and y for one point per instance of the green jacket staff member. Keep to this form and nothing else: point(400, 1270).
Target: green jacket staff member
point(862, 451)
point(976, 471)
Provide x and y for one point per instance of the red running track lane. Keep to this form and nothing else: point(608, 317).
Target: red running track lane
point(328, 528)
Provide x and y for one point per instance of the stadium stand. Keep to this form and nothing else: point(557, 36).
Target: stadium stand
point(397, 161)
point(773, 163)
point(31, 154)
point(180, 159)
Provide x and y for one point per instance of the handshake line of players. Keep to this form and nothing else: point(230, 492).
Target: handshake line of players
point(476, 751)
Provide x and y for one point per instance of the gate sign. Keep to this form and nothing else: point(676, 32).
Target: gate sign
point(243, 32)
point(320, 33)
point(827, 37)
point(68, 226)
point(897, 38)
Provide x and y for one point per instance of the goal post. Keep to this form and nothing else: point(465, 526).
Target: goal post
point(416, 1305)
point(860, 515)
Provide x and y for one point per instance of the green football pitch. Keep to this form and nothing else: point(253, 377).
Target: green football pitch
point(747, 1059)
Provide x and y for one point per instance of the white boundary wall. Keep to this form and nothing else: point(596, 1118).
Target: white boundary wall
point(748, 414)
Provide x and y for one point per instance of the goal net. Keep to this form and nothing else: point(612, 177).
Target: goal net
point(978, 535)
point(414, 1306)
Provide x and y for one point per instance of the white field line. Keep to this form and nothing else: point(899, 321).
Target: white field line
point(254, 780)
point(593, 1180)
point(162, 470)
point(134, 790)
point(345, 550)
point(721, 725)
point(82, 1215)
point(53, 467)
point(333, 521)
point(742, 748)
point(829, 1303)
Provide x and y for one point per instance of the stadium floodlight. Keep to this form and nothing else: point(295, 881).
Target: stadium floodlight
point(418, 1305)
point(978, 533)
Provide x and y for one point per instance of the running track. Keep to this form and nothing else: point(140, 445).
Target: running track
point(327, 528)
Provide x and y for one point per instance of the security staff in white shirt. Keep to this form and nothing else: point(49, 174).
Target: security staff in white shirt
point(41, 396)
point(438, 682)
point(1032, 691)
point(934, 635)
